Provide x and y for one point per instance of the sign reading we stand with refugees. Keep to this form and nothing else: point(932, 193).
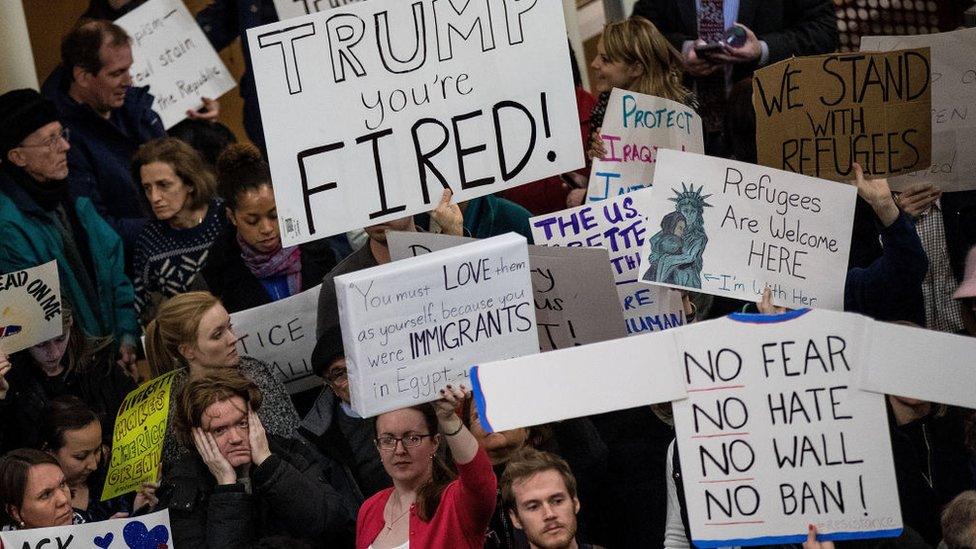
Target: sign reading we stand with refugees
point(730, 228)
point(953, 166)
point(774, 434)
point(412, 326)
point(370, 110)
point(30, 307)
point(620, 226)
point(151, 531)
point(296, 8)
point(819, 115)
point(573, 289)
point(634, 128)
point(172, 56)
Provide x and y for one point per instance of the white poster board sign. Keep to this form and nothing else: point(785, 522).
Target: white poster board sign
point(953, 106)
point(30, 307)
point(172, 56)
point(282, 333)
point(296, 8)
point(412, 326)
point(372, 109)
point(774, 435)
point(730, 228)
point(575, 296)
point(634, 128)
point(641, 372)
point(620, 226)
point(144, 532)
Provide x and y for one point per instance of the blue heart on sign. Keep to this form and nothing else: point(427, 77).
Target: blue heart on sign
point(138, 537)
point(104, 541)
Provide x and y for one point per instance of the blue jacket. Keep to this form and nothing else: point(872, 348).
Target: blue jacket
point(102, 150)
point(30, 238)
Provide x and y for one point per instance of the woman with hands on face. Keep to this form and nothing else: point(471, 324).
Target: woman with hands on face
point(243, 484)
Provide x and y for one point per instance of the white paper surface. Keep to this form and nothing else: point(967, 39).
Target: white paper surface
point(30, 307)
point(296, 8)
point(151, 530)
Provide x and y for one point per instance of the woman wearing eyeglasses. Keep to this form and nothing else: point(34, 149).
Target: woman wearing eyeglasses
point(427, 506)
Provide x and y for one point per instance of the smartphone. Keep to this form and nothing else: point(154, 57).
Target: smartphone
point(705, 50)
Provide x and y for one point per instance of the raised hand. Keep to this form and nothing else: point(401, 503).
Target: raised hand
point(209, 452)
point(918, 198)
point(598, 148)
point(5, 367)
point(766, 306)
point(448, 215)
point(812, 543)
point(877, 193)
point(451, 398)
point(146, 496)
point(257, 437)
point(210, 111)
point(127, 361)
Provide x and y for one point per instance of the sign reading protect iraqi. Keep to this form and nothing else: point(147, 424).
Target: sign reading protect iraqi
point(30, 307)
point(730, 228)
point(412, 326)
point(774, 435)
point(819, 115)
point(372, 109)
point(953, 165)
point(634, 128)
point(173, 57)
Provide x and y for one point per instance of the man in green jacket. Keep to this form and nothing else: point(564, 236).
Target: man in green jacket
point(40, 221)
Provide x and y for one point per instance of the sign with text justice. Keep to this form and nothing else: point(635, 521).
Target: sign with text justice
point(172, 56)
point(819, 115)
point(370, 110)
point(953, 165)
point(412, 326)
point(774, 435)
point(730, 228)
point(30, 307)
point(634, 128)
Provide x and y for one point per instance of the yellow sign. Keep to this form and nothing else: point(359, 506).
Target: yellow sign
point(137, 442)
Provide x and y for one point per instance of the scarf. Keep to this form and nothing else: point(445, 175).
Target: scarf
point(285, 261)
point(46, 194)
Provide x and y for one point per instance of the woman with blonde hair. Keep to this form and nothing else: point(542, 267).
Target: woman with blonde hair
point(192, 335)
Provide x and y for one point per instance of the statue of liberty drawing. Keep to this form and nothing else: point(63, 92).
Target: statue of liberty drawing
point(676, 250)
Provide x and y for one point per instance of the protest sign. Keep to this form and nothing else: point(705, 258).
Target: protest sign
point(411, 327)
point(282, 334)
point(137, 440)
point(578, 381)
point(172, 56)
point(898, 353)
point(296, 8)
point(575, 298)
point(372, 109)
point(774, 436)
point(144, 532)
point(634, 128)
point(819, 115)
point(953, 166)
point(30, 307)
point(731, 228)
point(620, 226)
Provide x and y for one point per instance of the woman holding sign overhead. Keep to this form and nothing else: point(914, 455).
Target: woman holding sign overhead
point(427, 506)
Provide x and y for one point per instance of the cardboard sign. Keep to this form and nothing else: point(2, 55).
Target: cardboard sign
point(620, 226)
point(172, 56)
point(731, 228)
point(147, 531)
point(819, 115)
point(774, 436)
point(137, 441)
point(372, 109)
point(953, 165)
point(296, 8)
point(282, 333)
point(634, 128)
point(896, 353)
point(413, 326)
point(575, 297)
point(30, 307)
point(578, 381)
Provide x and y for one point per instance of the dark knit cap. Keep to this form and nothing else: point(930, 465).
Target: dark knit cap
point(327, 350)
point(22, 112)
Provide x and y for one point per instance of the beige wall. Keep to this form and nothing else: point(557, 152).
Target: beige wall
point(16, 63)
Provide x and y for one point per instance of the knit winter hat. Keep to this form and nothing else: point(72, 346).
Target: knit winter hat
point(22, 112)
point(327, 350)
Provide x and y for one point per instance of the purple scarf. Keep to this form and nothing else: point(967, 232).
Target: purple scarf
point(286, 261)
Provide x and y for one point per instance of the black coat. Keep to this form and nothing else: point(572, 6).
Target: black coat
point(229, 279)
point(291, 495)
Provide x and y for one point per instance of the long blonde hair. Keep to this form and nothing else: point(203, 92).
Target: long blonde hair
point(175, 324)
point(636, 41)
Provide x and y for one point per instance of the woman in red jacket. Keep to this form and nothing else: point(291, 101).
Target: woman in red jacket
point(427, 507)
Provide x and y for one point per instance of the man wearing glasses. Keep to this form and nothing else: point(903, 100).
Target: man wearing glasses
point(40, 221)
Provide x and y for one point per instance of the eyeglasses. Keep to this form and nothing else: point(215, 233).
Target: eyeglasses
point(336, 375)
point(54, 142)
point(389, 442)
